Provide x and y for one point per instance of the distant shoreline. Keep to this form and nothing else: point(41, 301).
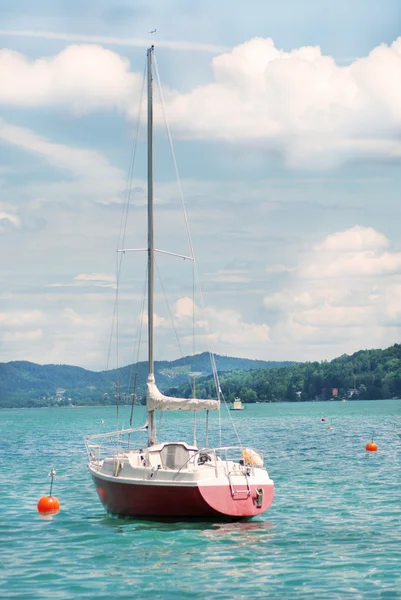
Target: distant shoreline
point(247, 404)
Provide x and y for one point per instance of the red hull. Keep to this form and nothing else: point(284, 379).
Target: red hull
point(136, 499)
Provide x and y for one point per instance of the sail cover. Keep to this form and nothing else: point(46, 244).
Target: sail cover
point(155, 400)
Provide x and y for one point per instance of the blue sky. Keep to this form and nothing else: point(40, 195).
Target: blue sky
point(286, 122)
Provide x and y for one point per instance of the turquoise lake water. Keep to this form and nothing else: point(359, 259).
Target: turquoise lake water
point(333, 531)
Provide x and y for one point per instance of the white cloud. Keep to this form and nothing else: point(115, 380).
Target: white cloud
point(9, 218)
point(83, 76)
point(356, 252)
point(393, 302)
point(218, 327)
point(80, 162)
point(280, 301)
point(355, 238)
point(101, 279)
point(22, 336)
point(19, 318)
point(336, 296)
point(157, 320)
point(301, 104)
point(184, 307)
point(19, 326)
point(228, 327)
point(72, 316)
point(83, 174)
point(331, 316)
point(230, 276)
point(359, 264)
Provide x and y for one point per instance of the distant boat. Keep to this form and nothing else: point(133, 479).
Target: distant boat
point(237, 405)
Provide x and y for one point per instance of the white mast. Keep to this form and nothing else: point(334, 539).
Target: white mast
point(155, 400)
point(151, 246)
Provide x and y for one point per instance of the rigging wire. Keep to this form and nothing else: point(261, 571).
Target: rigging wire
point(184, 211)
point(211, 353)
point(117, 341)
point(168, 308)
point(120, 242)
point(193, 318)
point(123, 225)
point(125, 211)
point(160, 279)
point(138, 337)
point(139, 330)
point(160, 423)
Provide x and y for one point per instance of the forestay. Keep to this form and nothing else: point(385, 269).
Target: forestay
point(155, 400)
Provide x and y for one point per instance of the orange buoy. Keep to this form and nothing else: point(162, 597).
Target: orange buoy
point(371, 446)
point(48, 505)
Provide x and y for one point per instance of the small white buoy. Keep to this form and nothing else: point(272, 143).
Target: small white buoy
point(102, 421)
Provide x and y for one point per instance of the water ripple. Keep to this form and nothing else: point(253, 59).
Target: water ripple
point(332, 532)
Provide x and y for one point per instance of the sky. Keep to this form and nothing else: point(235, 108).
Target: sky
point(286, 124)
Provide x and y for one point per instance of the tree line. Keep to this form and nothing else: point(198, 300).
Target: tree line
point(365, 375)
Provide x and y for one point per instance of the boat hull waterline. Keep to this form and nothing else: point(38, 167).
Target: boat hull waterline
point(143, 499)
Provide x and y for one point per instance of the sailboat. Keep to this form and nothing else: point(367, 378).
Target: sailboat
point(174, 478)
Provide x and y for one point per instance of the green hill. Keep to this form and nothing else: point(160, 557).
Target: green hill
point(367, 374)
point(26, 384)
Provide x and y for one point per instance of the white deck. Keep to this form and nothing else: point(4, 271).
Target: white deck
point(179, 464)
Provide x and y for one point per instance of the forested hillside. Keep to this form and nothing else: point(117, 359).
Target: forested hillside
point(367, 374)
point(26, 384)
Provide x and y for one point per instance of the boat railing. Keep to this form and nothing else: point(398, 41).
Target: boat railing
point(245, 456)
point(113, 442)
